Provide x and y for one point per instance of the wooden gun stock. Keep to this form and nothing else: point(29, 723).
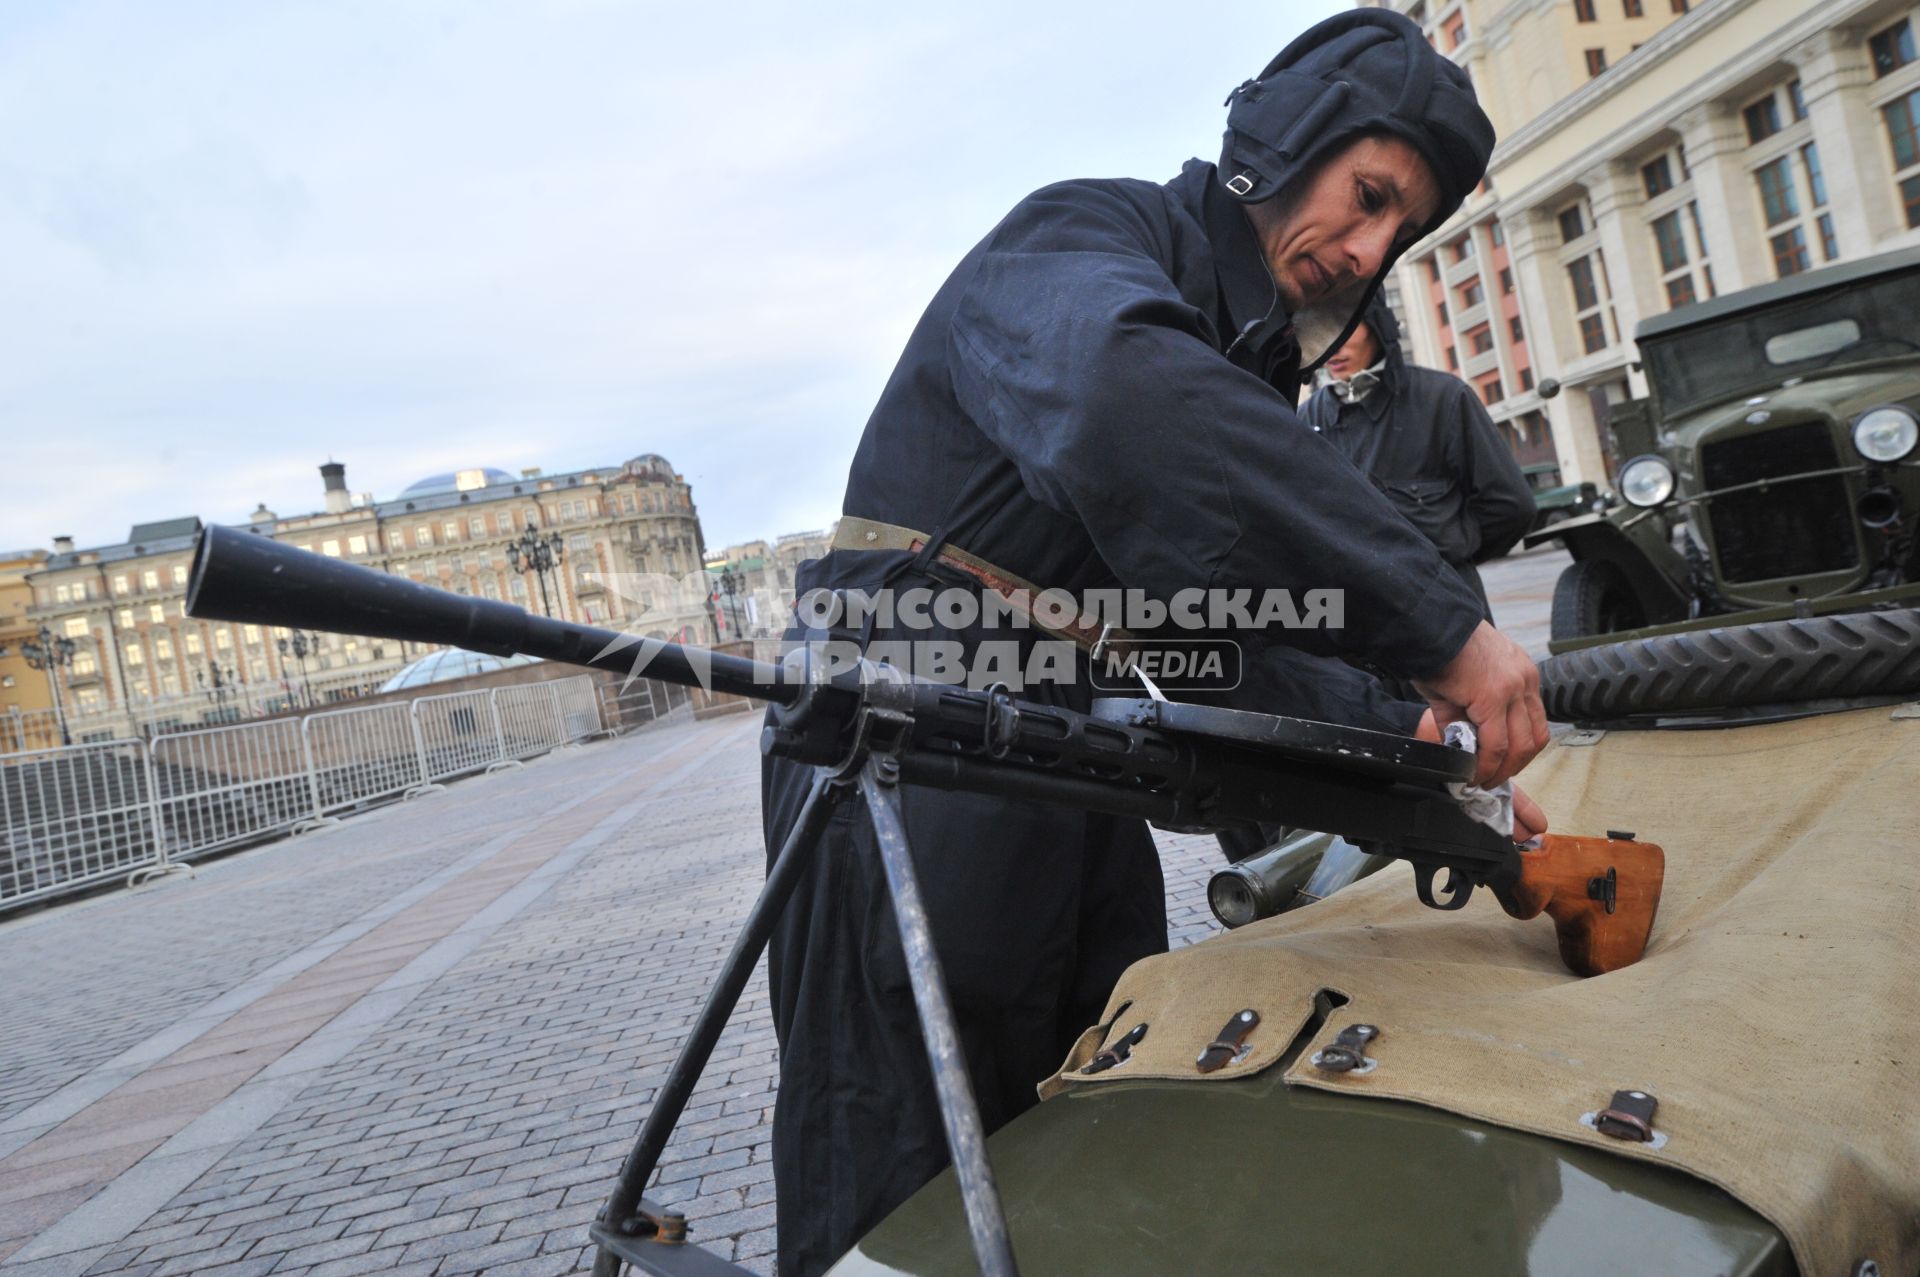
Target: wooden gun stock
point(1601, 893)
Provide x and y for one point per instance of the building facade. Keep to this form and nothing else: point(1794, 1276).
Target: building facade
point(1731, 143)
point(764, 590)
point(142, 665)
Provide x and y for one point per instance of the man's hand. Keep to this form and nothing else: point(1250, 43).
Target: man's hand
point(1529, 821)
point(1494, 685)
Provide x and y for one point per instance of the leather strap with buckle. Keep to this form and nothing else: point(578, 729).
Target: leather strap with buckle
point(855, 533)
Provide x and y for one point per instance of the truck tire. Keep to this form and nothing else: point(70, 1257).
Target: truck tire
point(1592, 597)
point(1738, 666)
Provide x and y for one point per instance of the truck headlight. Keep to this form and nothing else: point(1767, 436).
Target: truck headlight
point(1886, 434)
point(1646, 481)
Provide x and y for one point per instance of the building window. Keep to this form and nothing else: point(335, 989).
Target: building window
point(1506, 281)
point(1583, 11)
point(1796, 101)
point(126, 618)
point(1817, 200)
point(1526, 379)
point(135, 656)
point(1785, 189)
point(356, 545)
point(450, 530)
point(1480, 339)
point(1453, 359)
point(1903, 131)
point(1632, 8)
point(1657, 176)
point(84, 666)
point(222, 640)
point(156, 613)
point(1471, 294)
point(1462, 248)
point(1679, 6)
point(477, 526)
point(1573, 224)
point(1456, 31)
point(162, 648)
point(1515, 331)
point(63, 594)
point(1433, 272)
point(330, 548)
point(179, 574)
point(1763, 119)
point(1586, 304)
point(76, 627)
point(1492, 391)
point(193, 643)
point(1780, 207)
point(1580, 275)
point(1440, 316)
point(1596, 61)
point(1670, 239)
point(1892, 48)
point(423, 535)
point(120, 584)
point(150, 579)
point(1496, 233)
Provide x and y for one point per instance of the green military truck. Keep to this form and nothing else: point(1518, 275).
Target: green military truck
point(1771, 468)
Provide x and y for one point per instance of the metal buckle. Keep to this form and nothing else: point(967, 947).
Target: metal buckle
point(1347, 1053)
point(1240, 184)
point(1100, 644)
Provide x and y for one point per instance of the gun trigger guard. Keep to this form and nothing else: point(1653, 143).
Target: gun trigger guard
point(1457, 891)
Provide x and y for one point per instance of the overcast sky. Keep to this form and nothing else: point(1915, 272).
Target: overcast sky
point(239, 239)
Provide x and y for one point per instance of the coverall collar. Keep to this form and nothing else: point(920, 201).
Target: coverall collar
point(1258, 331)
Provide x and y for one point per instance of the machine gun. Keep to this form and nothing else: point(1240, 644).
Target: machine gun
point(867, 730)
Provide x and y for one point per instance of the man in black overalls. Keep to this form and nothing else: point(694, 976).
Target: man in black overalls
point(1424, 439)
point(1102, 394)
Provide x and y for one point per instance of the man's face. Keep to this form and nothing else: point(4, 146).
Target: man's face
point(1361, 205)
point(1360, 351)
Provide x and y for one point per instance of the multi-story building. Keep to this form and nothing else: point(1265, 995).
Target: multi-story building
point(1726, 145)
point(764, 592)
point(26, 701)
point(141, 664)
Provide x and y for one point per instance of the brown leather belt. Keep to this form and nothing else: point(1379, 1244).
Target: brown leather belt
point(868, 534)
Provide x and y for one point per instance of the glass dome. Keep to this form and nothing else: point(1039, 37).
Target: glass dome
point(457, 481)
point(450, 663)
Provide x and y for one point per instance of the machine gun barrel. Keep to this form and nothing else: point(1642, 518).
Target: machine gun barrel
point(242, 576)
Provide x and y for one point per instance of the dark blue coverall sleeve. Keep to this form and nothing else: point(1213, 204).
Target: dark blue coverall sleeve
point(1073, 350)
point(1499, 501)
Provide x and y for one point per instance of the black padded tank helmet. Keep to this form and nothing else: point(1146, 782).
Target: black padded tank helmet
point(1365, 71)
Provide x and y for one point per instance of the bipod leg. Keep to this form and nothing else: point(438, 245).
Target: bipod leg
point(622, 1217)
point(986, 1221)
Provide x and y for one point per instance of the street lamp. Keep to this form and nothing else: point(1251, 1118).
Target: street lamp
point(299, 645)
point(731, 583)
point(539, 555)
point(48, 651)
point(217, 687)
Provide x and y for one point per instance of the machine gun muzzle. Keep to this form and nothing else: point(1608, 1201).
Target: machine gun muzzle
point(240, 575)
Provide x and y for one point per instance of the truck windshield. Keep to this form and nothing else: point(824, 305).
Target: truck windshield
point(1818, 332)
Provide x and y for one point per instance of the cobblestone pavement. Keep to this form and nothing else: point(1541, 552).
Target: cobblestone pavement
point(420, 1042)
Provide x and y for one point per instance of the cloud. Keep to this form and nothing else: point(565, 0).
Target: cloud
point(242, 239)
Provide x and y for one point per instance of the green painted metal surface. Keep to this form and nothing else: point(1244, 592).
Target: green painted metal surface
point(1249, 1177)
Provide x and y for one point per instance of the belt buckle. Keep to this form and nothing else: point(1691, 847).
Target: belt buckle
point(1100, 644)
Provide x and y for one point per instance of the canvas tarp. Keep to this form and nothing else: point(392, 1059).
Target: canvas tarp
point(1776, 1014)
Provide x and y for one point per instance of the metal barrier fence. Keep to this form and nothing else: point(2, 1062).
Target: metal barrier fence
point(73, 816)
point(627, 707)
point(355, 756)
point(77, 815)
point(456, 733)
point(225, 785)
